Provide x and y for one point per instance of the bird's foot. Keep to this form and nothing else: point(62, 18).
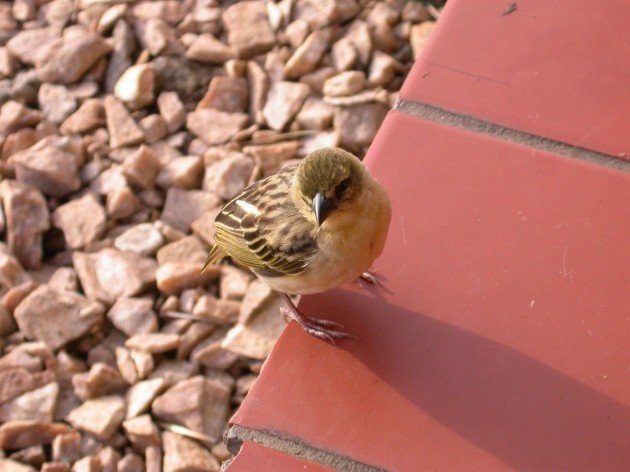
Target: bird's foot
point(322, 329)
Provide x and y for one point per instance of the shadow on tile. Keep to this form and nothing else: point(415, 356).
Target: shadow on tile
point(527, 414)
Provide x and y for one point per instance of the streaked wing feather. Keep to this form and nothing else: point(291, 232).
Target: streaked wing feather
point(261, 228)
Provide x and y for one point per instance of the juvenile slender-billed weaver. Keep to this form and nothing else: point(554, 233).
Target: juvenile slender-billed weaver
point(308, 228)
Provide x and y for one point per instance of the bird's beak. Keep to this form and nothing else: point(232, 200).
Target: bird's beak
point(321, 208)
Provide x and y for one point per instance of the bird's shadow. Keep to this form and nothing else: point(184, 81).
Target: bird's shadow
point(519, 409)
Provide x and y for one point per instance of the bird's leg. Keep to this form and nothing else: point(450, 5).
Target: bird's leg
point(314, 326)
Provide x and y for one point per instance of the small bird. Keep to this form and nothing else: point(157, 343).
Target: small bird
point(308, 228)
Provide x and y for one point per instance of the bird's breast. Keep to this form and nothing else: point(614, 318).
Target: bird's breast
point(344, 251)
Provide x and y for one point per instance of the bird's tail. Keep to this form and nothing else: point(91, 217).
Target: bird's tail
point(216, 255)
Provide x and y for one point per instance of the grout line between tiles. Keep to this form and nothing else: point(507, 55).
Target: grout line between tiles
point(475, 125)
point(279, 441)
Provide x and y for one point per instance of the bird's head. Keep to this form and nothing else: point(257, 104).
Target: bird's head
point(329, 182)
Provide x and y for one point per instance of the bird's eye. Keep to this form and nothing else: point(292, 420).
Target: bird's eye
point(342, 187)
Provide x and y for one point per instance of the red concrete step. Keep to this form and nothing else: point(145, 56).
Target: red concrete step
point(501, 340)
point(256, 458)
point(551, 68)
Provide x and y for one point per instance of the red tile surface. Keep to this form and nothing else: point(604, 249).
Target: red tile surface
point(503, 341)
point(255, 458)
point(556, 69)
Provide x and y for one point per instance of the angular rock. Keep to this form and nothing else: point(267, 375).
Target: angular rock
point(308, 54)
point(14, 116)
point(179, 74)
point(52, 165)
point(8, 465)
point(359, 35)
point(195, 334)
point(185, 250)
point(64, 279)
point(87, 464)
point(382, 69)
point(143, 239)
point(22, 434)
point(415, 12)
point(100, 380)
point(257, 37)
point(82, 220)
point(318, 141)
point(133, 316)
point(11, 272)
point(15, 381)
point(256, 339)
point(153, 343)
point(110, 274)
point(344, 55)
point(183, 172)
point(36, 405)
point(258, 88)
point(18, 141)
point(100, 417)
point(221, 311)
point(141, 396)
point(141, 167)
point(69, 58)
point(173, 372)
point(142, 432)
point(234, 283)
point(419, 36)
point(315, 114)
point(296, 32)
point(29, 45)
point(172, 110)
point(257, 297)
point(203, 227)
point(173, 277)
point(56, 318)
point(182, 454)
point(227, 94)
point(67, 447)
point(357, 125)
point(123, 130)
point(284, 100)
point(345, 83)
point(109, 458)
point(144, 363)
point(215, 126)
point(269, 157)
point(126, 366)
point(319, 13)
point(155, 35)
point(153, 459)
point(135, 86)
point(182, 207)
point(206, 48)
point(26, 355)
point(122, 203)
point(130, 463)
point(89, 116)
point(198, 403)
point(56, 102)
point(154, 128)
point(228, 176)
point(315, 80)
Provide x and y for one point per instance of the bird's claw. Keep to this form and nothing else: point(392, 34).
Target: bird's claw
point(318, 327)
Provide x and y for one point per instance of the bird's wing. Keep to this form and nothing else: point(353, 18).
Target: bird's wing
point(262, 229)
